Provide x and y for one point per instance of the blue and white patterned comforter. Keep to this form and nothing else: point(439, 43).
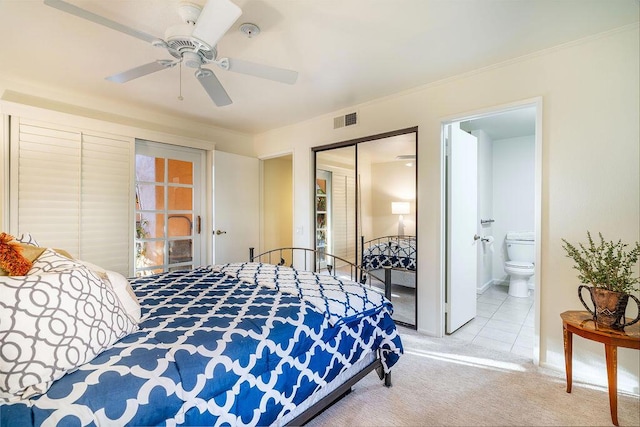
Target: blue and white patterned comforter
point(339, 299)
point(216, 349)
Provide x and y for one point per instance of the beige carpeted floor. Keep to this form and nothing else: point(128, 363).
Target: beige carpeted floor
point(448, 381)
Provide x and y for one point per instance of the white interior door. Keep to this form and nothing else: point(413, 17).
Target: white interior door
point(235, 207)
point(462, 246)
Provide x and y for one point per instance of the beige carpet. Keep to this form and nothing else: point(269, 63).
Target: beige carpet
point(448, 381)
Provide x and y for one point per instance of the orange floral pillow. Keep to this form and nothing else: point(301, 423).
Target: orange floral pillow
point(11, 258)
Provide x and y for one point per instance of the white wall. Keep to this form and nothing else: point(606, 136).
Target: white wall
point(590, 133)
point(513, 193)
point(19, 99)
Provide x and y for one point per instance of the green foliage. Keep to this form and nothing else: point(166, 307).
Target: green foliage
point(606, 265)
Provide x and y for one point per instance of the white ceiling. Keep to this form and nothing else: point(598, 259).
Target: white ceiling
point(346, 51)
point(509, 124)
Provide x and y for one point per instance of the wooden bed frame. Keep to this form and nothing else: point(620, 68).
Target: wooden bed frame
point(309, 260)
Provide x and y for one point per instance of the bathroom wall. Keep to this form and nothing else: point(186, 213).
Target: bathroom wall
point(513, 193)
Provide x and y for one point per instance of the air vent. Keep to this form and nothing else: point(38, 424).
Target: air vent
point(350, 119)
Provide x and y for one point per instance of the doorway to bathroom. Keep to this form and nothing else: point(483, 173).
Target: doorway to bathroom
point(492, 186)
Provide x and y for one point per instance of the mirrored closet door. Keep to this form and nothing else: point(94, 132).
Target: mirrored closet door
point(365, 209)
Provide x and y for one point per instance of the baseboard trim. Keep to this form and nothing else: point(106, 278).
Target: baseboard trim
point(480, 290)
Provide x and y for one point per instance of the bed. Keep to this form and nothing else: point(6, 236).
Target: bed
point(235, 344)
point(395, 254)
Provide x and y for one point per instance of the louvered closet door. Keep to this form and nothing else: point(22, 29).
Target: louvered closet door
point(45, 183)
point(106, 218)
point(71, 189)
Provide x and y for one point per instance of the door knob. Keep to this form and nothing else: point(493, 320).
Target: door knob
point(219, 232)
point(476, 237)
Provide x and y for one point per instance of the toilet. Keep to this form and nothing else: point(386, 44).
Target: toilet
point(519, 266)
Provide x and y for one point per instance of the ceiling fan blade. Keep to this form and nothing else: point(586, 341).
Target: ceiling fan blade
point(263, 71)
point(90, 16)
point(142, 70)
point(215, 19)
point(214, 88)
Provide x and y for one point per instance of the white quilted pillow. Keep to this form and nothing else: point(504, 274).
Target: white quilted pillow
point(51, 261)
point(51, 323)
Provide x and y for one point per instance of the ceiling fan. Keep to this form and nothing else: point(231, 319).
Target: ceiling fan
point(192, 43)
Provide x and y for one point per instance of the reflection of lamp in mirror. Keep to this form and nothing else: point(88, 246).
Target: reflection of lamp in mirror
point(400, 208)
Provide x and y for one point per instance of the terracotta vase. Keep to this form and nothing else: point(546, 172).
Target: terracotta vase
point(609, 307)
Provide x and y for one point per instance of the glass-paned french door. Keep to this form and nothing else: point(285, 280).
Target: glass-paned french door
point(168, 205)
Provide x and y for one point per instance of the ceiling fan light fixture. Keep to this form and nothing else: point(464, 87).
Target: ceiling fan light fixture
point(191, 59)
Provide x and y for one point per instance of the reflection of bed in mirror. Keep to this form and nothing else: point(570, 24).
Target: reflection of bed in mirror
point(397, 253)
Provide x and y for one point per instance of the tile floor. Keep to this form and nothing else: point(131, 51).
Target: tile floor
point(502, 322)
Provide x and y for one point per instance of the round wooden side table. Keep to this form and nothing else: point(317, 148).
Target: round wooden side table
point(582, 323)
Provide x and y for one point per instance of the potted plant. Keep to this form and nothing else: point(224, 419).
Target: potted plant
point(608, 268)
